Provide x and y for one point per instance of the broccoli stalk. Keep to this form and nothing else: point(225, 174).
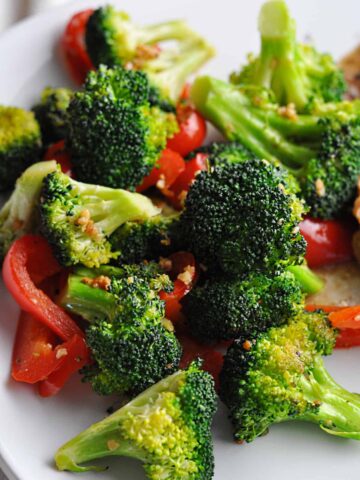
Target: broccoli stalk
point(309, 282)
point(167, 428)
point(78, 218)
point(320, 150)
point(297, 74)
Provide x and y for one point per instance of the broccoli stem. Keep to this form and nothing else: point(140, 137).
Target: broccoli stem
point(310, 282)
point(160, 32)
point(339, 410)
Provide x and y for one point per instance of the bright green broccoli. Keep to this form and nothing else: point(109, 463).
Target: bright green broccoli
point(78, 218)
point(19, 214)
point(132, 344)
point(279, 376)
point(113, 39)
point(20, 144)
point(240, 218)
point(115, 136)
point(51, 114)
point(167, 427)
point(223, 308)
point(321, 150)
point(296, 73)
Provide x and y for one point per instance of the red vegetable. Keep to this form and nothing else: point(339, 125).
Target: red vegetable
point(57, 151)
point(28, 262)
point(348, 317)
point(347, 338)
point(73, 47)
point(169, 166)
point(328, 241)
point(192, 130)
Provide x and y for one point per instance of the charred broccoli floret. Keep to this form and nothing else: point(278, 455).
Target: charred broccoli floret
point(129, 339)
point(113, 39)
point(115, 136)
point(51, 114)
point(296, 73)
point(167, 427)
point(20, 144)
point(78, 218)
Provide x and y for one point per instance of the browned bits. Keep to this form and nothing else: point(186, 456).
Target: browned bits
point(112, 445)
point(102, 282)
point(187, 275)
point(165, 264)
point(288, 111)
point(87, 225)
point(320, 188)
point(247, 345)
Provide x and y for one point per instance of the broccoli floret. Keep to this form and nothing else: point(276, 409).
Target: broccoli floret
point(19, 214)
point(279, 375)
point(20, 144)
point(321, 150)
point(240, 217)
point(128, 336)
point(78, 218)
point(167, 427)
point(147, 240)
point(223, 309)
point(297, 74)
point(113, 39)
point(115, 137)
point(51, 114)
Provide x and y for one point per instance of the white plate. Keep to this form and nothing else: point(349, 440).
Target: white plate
point(32, 428)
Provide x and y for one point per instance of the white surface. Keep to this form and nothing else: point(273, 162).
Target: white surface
point(32, 428)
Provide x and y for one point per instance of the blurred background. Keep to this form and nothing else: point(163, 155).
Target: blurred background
point(12, 11)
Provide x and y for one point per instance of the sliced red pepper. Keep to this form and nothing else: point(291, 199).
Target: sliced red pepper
point(347, 338)
point(73, 48)
point(328, 241)
point(324, 308)
point(58, 152)
point(28, 261)
point(169, 166)
point(192, 130)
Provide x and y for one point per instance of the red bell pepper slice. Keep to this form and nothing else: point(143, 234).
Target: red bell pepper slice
point(73, 48)
point(28, 261)
point(328, 241)
point(58, 152)
point(192, 129)
point(347, 338)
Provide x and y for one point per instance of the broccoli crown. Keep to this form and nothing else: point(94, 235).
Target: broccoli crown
point(167, 427)
point(219, 152)
point(20, 143)
point(320, 150)
point(115, 136)
point(113, 39)
point(279, 375)
point(51, 114)
point(19, 214)
point(148, 240)
point(241, 218)
point(222, 309)
point(78, 218)
point(296, 73)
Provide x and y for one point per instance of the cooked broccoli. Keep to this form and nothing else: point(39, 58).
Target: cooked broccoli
point(19, 214)
point(321, 150)
point(167, 427)
point(279, 375)
point(115, 137)
point(51, 114)
point(20, 144)
point(147, 240)
point(113, 39)
point(223, 309)
point(128, 337)
point(240, 217)
point(296, 73)
point(78, 218)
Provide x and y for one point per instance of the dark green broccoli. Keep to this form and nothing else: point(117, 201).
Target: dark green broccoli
point(115, 136)
point(150, 239)
point(321, 150)
point(131, 342)
point(296, 73)
point(279, 376)
point(78, 218)
point(223, 309)
point(51, 114)
point(167, 427)
point(113, 39)
point(240, 218)
point(19, 216)
point(20, 144)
